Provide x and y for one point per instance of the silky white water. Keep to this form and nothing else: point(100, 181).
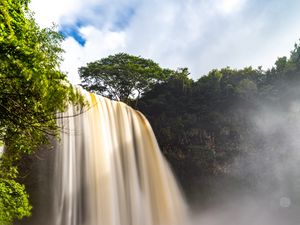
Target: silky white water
point(108, 170)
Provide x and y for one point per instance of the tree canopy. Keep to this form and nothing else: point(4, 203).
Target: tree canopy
point(32, 90)
point(209, 124)
point(122, 76)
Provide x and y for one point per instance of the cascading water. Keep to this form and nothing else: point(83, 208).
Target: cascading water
point(109, 170)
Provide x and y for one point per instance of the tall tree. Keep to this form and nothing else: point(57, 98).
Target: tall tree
point(122, 76)
point(32, 90)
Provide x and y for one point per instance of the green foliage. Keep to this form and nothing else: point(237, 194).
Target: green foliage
point(122, 76)
point(14, 202)
point(203, 127)
point(32, 91)
point(32, 88)
point(246, 87)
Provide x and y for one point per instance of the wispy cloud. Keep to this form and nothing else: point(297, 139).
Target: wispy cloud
point(198, 34)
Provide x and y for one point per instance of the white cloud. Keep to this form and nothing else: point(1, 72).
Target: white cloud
point(48, 12)
point(229, 6)
point(201, 35)
point(98, 44)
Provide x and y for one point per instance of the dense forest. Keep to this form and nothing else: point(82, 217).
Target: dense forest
point(213, 128)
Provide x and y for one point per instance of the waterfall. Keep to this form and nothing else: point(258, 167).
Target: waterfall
point(108, 170)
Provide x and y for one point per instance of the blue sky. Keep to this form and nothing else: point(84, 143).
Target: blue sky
point(198, 34)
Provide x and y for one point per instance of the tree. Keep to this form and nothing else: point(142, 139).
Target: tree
point(206, 128)
point(122, 76)
point(32, 90)
point(16, 199)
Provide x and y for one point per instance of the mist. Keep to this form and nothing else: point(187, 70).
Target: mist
point(267, 170)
